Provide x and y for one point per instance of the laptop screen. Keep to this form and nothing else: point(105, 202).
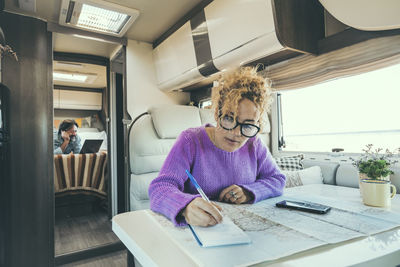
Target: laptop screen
point(91, 146)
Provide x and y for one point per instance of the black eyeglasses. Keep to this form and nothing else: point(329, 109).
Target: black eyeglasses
point(246, 129)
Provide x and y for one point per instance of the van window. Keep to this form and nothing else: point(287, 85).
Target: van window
point(343, 113)
point(206, 103)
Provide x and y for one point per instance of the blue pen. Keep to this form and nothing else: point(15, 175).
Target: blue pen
point(203, 195)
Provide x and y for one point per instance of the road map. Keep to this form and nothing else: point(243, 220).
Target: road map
point(276, 232)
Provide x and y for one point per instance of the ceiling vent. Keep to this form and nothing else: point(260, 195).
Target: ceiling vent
point(97, 16)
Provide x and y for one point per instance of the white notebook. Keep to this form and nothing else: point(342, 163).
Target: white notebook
point(222, 234)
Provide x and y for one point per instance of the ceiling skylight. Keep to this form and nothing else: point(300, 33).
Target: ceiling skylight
point(100, 19)
point(97, 16)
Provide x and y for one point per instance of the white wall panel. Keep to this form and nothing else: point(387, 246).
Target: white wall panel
point(142, 89)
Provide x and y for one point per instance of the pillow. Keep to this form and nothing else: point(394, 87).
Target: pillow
point(88, 130)
point(290, 163)
point(312, 175)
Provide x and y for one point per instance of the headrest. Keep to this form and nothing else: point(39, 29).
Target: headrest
point(170, 120)
point(207, 116)
point(267, 128)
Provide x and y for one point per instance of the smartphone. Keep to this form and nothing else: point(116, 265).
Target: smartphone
point(303, 206)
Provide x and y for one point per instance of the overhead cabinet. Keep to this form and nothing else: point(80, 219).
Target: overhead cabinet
point(240, 31)
point(56, 98)
point(235, 33)
point(79, 100)
point(174, 57)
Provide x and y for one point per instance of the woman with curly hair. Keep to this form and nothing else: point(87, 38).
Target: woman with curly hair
point(229, 161)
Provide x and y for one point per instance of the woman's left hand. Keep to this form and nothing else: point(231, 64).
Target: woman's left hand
point(235, 194)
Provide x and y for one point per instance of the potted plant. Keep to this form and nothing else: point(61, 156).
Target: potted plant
point(374, 164)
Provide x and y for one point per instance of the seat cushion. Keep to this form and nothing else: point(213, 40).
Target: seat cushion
point(140, 185)
point(207, 116)
point(147, 150)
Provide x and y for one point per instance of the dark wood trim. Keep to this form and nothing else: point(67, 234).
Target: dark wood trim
point(299, 24)
point(181, 21)
point(4, 173)
point(81, 58)
point(127, 118)
point(202, 47)
point(200, 94)
point(123, 118)
point(117, 67)
point(30, 185)
point(105, 118)
point(121, 150)
point(349, 37)
point(54, 27)
point(75, 88)
point(130, 259)
point(88, 253)
point(275, 58)
point(50, 151)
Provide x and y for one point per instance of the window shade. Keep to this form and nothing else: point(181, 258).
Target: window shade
point(309, 70)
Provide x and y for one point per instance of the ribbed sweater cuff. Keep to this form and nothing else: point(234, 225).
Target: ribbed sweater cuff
point(257, 190)
point(176, 205)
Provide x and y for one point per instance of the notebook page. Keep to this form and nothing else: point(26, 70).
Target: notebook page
point(225, 233)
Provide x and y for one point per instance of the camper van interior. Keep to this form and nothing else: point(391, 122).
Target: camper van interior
point(135, 75)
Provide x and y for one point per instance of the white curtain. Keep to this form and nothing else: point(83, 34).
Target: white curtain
point(307, 70)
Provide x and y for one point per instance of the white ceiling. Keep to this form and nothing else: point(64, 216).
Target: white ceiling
point(72, 44)
point(156, 16)
point(100, 71)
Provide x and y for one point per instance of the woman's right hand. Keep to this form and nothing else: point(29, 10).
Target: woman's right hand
point(202, 213)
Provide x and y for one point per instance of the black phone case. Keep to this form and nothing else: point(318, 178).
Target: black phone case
point(308, 207)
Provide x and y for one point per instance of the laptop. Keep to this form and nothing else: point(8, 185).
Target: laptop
point(91, 146)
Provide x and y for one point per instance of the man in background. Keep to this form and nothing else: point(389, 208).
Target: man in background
point(66, 140)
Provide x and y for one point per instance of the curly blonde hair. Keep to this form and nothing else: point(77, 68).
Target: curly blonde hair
point(242, 83)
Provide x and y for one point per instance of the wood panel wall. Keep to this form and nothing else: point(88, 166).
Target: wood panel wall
point(30, 196)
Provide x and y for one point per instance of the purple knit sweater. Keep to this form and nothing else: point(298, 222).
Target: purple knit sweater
point(251, 167)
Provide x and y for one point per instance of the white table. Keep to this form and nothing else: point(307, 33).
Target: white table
point(152, 245)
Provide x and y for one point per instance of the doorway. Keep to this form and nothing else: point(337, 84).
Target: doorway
point(84, 196)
